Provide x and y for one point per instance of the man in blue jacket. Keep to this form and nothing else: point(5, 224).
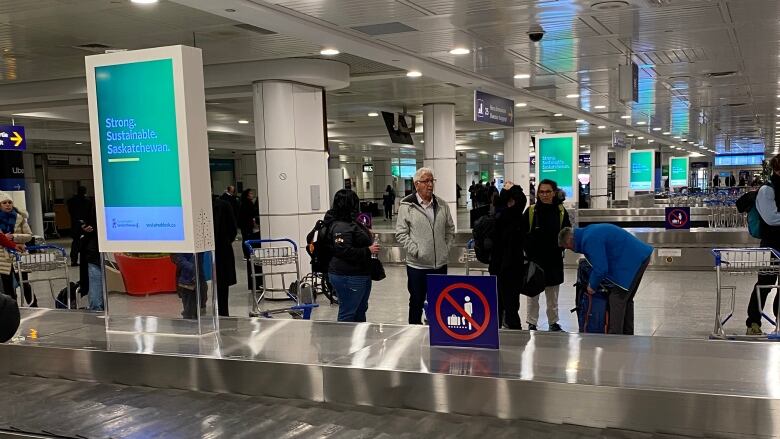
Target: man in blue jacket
point(616, 256)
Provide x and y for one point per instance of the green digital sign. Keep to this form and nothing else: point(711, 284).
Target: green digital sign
point(139, 151)
point(678, 171)
point(642, 167)
point(556, 160)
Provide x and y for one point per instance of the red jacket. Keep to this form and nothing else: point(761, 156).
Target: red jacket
point(7, 243)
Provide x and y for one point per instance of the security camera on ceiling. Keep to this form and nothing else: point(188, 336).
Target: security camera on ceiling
point(536, 33)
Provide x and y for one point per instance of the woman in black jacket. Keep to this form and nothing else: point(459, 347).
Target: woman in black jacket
point(543, 221)
point(506, 259)
point(352, 246)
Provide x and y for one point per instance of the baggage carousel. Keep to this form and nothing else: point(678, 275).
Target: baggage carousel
point(141, 383)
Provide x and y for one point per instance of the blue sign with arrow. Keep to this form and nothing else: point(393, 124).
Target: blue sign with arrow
point(12, 138)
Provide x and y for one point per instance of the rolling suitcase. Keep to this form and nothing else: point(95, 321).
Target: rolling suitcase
point(592, 309)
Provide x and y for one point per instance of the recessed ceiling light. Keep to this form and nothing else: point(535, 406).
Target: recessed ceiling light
point(601, 127)
point(625, 117)
point(575, 95)
point(79, 143)
point(656, 129)
point(580, 120)
point(666, 133)
point(143, 2)
point(460, 51)
point(650, 141)
point(640, 138)
point(373, 114)
point(684, 139)
point(641, 122)
point(211, 149)
point(521, 104)
point(617, 131)
point(600, 107)
point(522, 76)
point(243, 121)
point(413, 74)
point(630, 135)
point(558, 114)
point(691, 142)
point(329, 52)
point(677, 137)
point(493, 133)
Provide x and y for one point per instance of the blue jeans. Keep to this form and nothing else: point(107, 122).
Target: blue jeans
point(353, 292)
point(95, 287)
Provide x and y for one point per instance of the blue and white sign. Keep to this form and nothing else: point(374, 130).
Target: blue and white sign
point(493, 109)
point(463, 311)
point(12, 138)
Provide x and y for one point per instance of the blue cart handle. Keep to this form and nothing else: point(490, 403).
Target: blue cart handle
point(250, 244)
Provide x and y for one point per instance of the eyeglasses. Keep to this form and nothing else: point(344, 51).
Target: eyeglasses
point(431, 181)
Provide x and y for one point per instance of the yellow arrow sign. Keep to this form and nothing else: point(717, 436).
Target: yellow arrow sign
point(17, 139)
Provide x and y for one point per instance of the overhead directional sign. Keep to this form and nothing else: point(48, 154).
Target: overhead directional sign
point(12, 138)
point(463, 311)
point(493, 109)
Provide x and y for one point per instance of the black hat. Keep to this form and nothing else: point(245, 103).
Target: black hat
point(9, 317)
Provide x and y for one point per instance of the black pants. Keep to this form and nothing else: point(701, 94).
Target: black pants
point(417, 283)
point(389, 211)
point(222, 299)
point(8, 288)
point(621, 304)
point(754, 309)
point(508, 305)
point(74, 246)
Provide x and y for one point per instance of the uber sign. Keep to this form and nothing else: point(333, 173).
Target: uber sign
point(11, 171)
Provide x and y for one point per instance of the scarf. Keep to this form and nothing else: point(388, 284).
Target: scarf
point(8, 221)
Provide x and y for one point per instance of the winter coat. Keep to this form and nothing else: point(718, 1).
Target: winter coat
point(541, 244)
point(506, 257)
point(22, 234)
point(427, 244)
point(224, 235)
point(349, 243)
point(615, 254)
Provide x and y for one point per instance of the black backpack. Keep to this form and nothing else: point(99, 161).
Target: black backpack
point(483, 232)
point(317, 247)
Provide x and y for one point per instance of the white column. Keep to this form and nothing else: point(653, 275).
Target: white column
point(335, 178)
point(439, 134)
point(517, 168)
point(598, 175)
point(292, 169)
point(621, 174)
point(464, 182)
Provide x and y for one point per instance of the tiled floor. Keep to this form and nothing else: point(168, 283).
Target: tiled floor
point(669, 303)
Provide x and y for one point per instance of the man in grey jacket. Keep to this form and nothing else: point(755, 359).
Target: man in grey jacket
point(426, 230)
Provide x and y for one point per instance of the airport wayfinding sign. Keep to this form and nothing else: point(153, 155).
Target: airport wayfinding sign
point(148, 141)
point(641, 170)
point(12, 138)
point(463, 311)
point(557, 159)
point(493, 109)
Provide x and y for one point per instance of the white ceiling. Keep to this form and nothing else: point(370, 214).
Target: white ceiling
point(679, 45)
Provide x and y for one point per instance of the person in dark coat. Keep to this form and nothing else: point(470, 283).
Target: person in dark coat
point(388, 202)
point(230, 197)
point(543, 221)
point(248, 223)
point(79, 207)
point(224, 261)
point(506, 259)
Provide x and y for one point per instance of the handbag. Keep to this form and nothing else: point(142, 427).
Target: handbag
point(377, 270)
point(534, 281)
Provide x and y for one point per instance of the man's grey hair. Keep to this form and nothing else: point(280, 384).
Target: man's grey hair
point(420, 172)
point(564, 235)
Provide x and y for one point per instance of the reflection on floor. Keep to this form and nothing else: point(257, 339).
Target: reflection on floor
point(669, 303)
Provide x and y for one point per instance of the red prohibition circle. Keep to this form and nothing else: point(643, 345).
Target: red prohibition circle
point(452, 333)
point(669, 218)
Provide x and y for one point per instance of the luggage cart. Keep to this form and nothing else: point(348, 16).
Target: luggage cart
point(742, 262)
point(469, 258)
point(267, 257)
point(42, 258)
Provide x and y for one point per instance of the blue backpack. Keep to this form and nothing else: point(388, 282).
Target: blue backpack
point(592, 309)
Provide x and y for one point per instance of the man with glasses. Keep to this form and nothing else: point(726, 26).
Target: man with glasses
point(426, 230)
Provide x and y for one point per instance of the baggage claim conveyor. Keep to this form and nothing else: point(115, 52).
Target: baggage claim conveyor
point(65, 376)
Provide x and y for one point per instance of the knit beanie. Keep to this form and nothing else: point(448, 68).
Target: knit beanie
point(9, 317)
point(4, 196)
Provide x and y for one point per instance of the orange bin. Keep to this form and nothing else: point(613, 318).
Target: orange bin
point(147, 275)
